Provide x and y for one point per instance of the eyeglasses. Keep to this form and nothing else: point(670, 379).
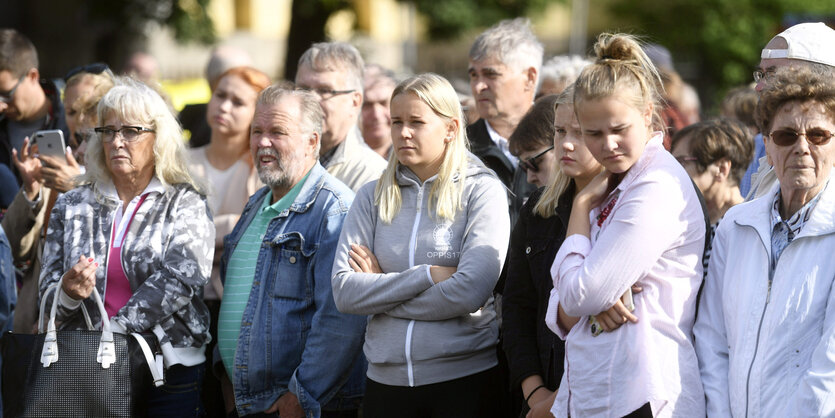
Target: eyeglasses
point(529, 164)
point(760, 74)
point(787, 137)
point(685, 158)
point(94, 68)
point(129, 133)
point(9, 96)
point(325, 94)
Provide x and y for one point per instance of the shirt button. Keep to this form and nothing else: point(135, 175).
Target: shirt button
point(528, 250)
point(292, 259)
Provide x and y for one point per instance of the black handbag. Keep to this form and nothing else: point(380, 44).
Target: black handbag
point(77, 373)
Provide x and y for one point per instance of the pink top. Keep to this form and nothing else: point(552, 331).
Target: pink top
point(117, 291)
point(653, 235)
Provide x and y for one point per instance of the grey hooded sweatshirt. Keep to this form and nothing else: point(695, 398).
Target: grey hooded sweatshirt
point(420, 332)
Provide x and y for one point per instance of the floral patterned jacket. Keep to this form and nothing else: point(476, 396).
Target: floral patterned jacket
point(166, 255)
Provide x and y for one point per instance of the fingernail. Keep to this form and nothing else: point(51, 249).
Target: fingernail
point(97, 264)
point(90, 259)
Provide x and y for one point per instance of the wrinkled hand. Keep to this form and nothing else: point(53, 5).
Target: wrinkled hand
point(363, 260)
point(287, 406)
point(79, 281)
point(618, 314)
point(597, 190)
point(59, 173)
point(29, 168)
point(541, 407)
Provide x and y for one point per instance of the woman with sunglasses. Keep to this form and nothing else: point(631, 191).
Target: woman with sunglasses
point(766, 322)
point(534, 353)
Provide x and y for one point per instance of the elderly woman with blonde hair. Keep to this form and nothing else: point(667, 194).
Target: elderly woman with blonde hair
point(138, 230)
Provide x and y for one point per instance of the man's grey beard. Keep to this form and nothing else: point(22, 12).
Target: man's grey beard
point(279, 177)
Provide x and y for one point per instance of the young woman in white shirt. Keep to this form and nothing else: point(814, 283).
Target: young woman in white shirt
point(639, 223)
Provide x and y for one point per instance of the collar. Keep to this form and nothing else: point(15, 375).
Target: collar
point(798, 220)
point(310, 189)
point(502, 143)
point(108, 189)
point(344, 150)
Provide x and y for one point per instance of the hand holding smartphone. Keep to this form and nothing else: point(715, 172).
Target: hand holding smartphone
point(51, 143)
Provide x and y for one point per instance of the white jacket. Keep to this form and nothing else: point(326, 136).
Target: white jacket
point(769, 350)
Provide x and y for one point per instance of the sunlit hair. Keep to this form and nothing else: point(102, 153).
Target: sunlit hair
point(800, 84)
point(336, 56)
point(134, 103)
point(445, 194)
point(312, 116)
point(510, 41)
point(546, 207)
point(563, 69)
point(621, 68)
point(713, 140)
point(254, 78)
point(86, 105)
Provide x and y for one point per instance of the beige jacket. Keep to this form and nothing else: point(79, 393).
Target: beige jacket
point(354, 163)
point(24, 224)
point(234, 200)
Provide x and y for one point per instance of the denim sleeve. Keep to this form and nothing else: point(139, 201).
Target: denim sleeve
point(8, 292)
point(335, 340)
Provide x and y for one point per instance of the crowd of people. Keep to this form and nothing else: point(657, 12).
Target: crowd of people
point(351, 243)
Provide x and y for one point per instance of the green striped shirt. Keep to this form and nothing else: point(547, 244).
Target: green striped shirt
point(240, 272)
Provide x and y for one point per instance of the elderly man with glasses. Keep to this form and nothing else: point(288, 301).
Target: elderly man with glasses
point(333, 72)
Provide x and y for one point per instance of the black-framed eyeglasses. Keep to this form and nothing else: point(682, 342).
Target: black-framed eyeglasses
point(128, 133)
point(94, 68)
point(529, 164)
point(326, 94)
point(9, 96)
point(762, 74)
point(787, 137)
point(685, 158)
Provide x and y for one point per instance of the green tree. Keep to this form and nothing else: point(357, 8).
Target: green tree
point(450, 18)
point(719, 40)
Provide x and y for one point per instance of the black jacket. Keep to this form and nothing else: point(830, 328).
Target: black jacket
point(532, 348)
point(514, 179)
point(55, 120)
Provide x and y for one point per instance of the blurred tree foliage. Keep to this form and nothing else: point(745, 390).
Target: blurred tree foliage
point(450, 18)
point(720, 39)
point(188, 19)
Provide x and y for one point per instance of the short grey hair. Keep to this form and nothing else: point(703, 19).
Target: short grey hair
point(334, 56)
point(312, 115)
point(510, 41)
point(563, 68)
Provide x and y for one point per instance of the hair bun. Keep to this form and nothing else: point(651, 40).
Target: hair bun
point(618, 47)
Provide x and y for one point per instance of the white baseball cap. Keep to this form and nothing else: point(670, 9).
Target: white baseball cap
point(813, 42)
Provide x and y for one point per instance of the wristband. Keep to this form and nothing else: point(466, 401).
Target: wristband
point(532, 392)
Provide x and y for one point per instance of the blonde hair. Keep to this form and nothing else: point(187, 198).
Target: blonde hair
point(550, 198)
point(445, 194)
point(622, 67)
point(132, 101)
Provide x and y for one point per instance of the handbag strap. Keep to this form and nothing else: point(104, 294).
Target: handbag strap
point(106, 354)
point(154, 364)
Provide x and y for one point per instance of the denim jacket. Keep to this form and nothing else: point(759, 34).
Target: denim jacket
point(292, 337)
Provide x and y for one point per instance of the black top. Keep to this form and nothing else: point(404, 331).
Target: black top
point(530, 346)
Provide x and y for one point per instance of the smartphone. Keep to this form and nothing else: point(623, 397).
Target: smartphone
point(51, 143)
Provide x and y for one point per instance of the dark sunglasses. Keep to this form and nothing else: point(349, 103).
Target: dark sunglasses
point(530, 163)
point(94, 68)
point(787, 137)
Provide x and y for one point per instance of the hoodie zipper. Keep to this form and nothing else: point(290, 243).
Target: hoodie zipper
point(759, 329)
point(412, 249)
